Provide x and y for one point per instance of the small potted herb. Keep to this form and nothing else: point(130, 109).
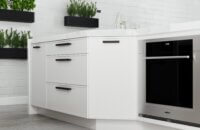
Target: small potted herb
point(17, 10)
point(13, 44)
point(81, 14)
point(3, 4)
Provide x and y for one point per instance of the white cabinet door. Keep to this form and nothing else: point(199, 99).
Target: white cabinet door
point(112, 77)
point(37, 73)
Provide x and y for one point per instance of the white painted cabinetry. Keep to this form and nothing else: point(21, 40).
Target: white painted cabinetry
point(89, 77)
point(37, 75)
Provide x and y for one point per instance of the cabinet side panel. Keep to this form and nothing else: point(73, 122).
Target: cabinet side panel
point(37, 75)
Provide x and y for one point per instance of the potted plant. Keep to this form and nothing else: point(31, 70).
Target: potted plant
point(81, 14)
point(13, 44)
point(17, 10)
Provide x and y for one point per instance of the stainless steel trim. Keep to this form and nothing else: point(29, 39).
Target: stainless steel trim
point(167, 57)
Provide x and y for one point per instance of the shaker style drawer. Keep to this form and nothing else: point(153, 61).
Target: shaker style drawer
point(67, 99)
point(71, 46)
point(69, 69)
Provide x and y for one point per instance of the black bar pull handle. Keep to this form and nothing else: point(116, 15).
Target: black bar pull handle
point(36, 47)
point(111, 41)
point(63, 44)
point(63, 88)
point(63, 59)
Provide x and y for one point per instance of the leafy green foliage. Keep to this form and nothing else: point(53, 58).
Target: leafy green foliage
point(14, 39)
point(8, 37)
point(2, 39)
point(24, 39)
point(92, 9)
point(16, 5)
point(81, 8)
point(28, 5)
point(23, 5)
point(3, 4)
point(72, 8)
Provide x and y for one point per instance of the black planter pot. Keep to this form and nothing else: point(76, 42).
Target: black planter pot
point(81, 22)
point(13, 53)
point(16, 16)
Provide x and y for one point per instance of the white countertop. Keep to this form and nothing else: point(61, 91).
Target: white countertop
point(121, 33)
point(88, 33)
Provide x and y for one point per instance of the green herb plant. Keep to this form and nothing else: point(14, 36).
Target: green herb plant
point(3, 4)
point(72, 8)
point(14, 39)
point(81, 8)
point(2, 39)
point(24, 38)
point(21, 5)
point(8, 37)
point(16, 5)
point(28, 5)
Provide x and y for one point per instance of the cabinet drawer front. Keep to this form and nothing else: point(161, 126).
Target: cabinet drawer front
point(71, 69)
point(71, 46)
point(67, 99)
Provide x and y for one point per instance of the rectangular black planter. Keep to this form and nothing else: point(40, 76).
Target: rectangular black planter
point(81, 22)
point(13, 53)
point(16, 16)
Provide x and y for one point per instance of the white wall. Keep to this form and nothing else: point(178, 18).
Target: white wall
point(49, 17)
point(13, 78)
point(141, 13)
point(149, 12)
point(137, 13)
point(49, 20)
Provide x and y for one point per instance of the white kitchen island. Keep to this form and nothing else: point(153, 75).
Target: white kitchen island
point(92, 79)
